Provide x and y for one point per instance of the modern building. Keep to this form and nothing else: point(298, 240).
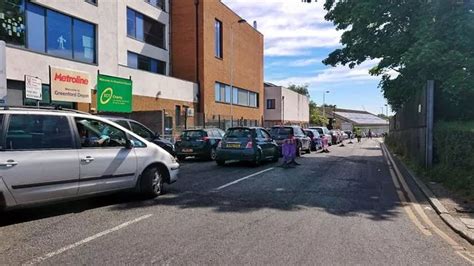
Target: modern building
point(284, 106)
point(126, 38)
point(347, 119)
point(214, 47)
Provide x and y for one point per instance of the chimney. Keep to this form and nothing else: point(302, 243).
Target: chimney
point(255, 24)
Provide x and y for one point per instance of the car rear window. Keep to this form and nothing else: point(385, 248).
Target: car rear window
point(320, 130)
point(281, 131)
point(239, 133)
point(193, 134)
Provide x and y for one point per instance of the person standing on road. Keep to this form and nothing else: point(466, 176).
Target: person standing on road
point(358, 134)
point(325, 144)
point(370, 134)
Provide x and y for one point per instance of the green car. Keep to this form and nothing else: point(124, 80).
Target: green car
point(253, 144)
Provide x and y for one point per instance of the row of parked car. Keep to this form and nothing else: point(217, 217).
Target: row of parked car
point(54, 155)
point(253, 144)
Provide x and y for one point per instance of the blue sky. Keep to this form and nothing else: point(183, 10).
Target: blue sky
point(297, 39)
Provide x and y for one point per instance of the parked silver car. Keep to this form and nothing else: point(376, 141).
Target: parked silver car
point(55, 155)
point(324, 131)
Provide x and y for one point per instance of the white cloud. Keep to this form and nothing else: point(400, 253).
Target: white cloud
point(290, 27)
point(305, 62)
point(335, 75)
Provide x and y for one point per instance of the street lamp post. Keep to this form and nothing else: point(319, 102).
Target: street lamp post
point(324, 103)
point(240, 21)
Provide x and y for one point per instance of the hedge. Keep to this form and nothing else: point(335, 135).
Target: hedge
point(454, 156)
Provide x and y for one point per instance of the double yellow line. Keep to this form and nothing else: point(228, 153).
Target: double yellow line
point(410, 204)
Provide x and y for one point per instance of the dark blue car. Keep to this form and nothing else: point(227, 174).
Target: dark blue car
point(316, 140)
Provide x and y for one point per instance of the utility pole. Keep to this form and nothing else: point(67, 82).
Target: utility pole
point(324, 103)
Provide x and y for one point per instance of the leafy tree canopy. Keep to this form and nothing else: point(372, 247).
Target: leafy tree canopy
point(416, 40)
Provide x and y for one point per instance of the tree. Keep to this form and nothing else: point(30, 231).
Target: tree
point(301, 89)
point(417, 40)
point(315, 116)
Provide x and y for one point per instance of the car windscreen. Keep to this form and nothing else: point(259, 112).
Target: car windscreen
point(193, 134)
point(238, 133)
point(281, 132)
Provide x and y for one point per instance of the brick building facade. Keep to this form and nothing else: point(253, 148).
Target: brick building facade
point(214, 47)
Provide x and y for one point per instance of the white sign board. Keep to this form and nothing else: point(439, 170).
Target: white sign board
point(3, 74)
point(69, 85)
point(33, 88)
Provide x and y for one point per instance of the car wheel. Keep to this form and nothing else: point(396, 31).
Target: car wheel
point(308, 151)
point(258, 158)
point(181, 157)
point(220, 162)
point(151, 182)
point(213, 154)
point(298, 150)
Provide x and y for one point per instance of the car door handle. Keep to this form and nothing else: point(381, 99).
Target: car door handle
point(9, 163)
point(87, 159)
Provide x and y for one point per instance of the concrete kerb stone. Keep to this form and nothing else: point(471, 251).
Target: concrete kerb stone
point(455, 224)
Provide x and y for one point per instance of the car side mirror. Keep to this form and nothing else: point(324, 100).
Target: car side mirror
point(157, 135)
point(128, 144)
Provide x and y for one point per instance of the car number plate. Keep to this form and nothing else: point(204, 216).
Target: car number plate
point(233, 145)
point(187, 150)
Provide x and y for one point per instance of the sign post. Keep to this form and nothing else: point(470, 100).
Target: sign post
point(33, 89)
point(114, 94)
point(3, 74)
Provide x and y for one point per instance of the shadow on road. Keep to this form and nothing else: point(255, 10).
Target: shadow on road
point(339, 185)
point(361, 186)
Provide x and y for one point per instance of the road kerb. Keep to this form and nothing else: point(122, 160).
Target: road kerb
point(456, 225)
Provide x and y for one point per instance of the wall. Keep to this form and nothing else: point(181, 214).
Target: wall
point(248, 55)
point(295, 105)
point(273, 114)
point(247, 63)
point(112, 46)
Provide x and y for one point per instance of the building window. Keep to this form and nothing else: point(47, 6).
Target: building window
point(218, 38)
point(94, 2)
point(12, 22)
point(48, 32)
point(145, 29)
point(59, 34)
point(222, 93)
point(270, 103)
point(141, 62)
point(158, 3)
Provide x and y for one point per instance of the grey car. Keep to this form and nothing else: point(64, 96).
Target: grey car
point(55, 155)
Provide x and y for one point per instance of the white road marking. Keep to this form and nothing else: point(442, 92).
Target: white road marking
point(86, 240)
point(242, 179)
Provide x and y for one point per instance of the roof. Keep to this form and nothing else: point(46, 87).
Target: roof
point(362, 118)
point(268, 84)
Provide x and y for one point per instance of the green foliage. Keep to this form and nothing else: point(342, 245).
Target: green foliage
point(454, 160)
point(315, 115)
point(418, 40)
point(301, 89)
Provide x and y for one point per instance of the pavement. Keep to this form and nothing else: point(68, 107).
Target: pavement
point(345, 207)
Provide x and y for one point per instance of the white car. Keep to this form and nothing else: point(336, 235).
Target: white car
point(55, 155)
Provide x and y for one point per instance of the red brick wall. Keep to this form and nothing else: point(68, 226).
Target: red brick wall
point(248, 55)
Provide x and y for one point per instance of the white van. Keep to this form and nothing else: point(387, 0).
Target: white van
point(55, 155)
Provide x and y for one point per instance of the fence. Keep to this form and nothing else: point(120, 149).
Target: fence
point(411, 129)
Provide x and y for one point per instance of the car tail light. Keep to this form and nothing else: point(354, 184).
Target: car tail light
point(205, 138)
point(249, 145)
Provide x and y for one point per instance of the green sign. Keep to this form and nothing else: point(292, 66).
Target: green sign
point(114, 94)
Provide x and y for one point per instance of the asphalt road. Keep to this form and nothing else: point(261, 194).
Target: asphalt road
point(338, 208)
